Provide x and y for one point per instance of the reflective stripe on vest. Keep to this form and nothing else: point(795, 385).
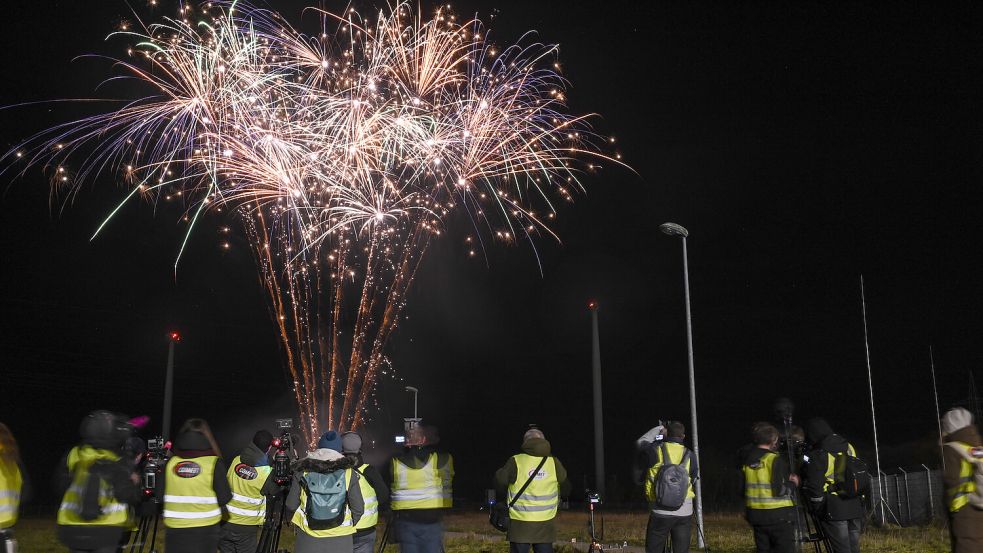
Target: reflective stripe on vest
point(757, 485)
point(299, 519)
point(831, 467)
point(676, 452)
point(428, 487)
point(189, 500)
point(370, 517)
point(248, 505)
point(959, 495)
point(80, 461)
point(11, 482)
point(539, 501)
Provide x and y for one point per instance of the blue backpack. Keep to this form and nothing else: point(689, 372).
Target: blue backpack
point(327, 498)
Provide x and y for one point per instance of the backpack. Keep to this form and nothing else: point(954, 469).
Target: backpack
point(975, 456)
point(327, 499)
point(672, 482)
point(98, 485)
point(851, 477)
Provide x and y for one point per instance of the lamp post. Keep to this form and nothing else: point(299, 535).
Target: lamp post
point(415, 393)
point(672, 229)
point(173, 338)
point(598, 414)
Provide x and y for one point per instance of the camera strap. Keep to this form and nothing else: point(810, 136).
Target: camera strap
point(528, 481)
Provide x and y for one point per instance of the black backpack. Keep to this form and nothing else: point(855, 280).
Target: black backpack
point(671, 482)
point(850, 476)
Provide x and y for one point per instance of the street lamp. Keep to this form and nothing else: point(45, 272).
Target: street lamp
point(173, 338)
point(415, 392)
point(672, 229)
point(598, 411)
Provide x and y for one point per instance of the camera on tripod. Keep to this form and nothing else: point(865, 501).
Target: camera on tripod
point(281, 459)
point(155, 460)
point(593, 498)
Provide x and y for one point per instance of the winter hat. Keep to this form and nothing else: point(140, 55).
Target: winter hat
point(956, 419)
point(330, 440)
point(533, 433)
point(817, 429)
point(351, 442)
point(262, 439)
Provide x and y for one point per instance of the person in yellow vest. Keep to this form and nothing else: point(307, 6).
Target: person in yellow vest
point(375, 494)
point(767, 490)
point(251, 482)
point(421, 491)
point(99, 487)
point(531, 517)
point(325, 461)
point(840, 517)
point(962, 453)
point(664, 523)
point(14, 486)
point(194, 490)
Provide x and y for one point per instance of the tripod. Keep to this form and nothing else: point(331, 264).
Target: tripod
point(147, 526)
point(269, 538)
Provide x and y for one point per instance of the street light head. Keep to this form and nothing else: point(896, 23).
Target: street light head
point(672, 229)
point(592, 305)
point(411, 389)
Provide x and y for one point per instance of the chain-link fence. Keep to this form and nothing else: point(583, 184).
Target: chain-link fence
point(907, 498)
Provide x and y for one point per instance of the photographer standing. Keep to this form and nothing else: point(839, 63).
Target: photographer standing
point(963, 454)
point(839, 516)
point(14, 488)
point(531, 516)
point(421, 492)
point(194, 489)
point(659, 450)
point(375, 494)
point(98, 486)
point(250, 482)
point(767, 488)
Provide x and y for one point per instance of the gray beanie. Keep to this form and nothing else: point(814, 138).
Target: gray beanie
point(533, 433)
point(351, 442)
point(956, 419)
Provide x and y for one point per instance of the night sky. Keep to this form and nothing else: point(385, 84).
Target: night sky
point(802, 144)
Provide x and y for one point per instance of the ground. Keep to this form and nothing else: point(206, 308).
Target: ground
point(726, 533)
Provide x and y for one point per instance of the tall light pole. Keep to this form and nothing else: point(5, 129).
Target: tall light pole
point(415, 393)
point(173, 338)
point(672, 229)
point(598, 415)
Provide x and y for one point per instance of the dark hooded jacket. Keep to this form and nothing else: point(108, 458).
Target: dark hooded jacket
point(374, 479)
point(968, 521)
point(780, 486)
point(521, 531)
point(190, 445)
point(417, 457)
point(826, 505)
point(254, 457)
point(325, 461)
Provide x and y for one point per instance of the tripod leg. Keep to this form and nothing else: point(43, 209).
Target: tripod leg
point(153, 539)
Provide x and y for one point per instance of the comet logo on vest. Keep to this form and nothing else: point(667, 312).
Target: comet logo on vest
point(246, 472)
point(187, 469)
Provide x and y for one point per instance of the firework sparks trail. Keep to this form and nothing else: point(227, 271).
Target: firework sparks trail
point(342, 155)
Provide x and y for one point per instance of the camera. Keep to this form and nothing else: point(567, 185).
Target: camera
point(401, 440)
point(155, 460)
point(281, 458)
point(593, 498)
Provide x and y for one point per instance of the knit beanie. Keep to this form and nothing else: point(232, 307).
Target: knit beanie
point(956, 419)
point(533, 433)
point(330, 440)
point(351, 442)
point(262, 439)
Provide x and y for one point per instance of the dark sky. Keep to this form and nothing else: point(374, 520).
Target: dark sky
point(802, 144)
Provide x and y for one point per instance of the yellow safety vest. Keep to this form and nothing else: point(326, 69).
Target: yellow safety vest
point(757, 485)
point(676, 452)
point(346, 528)
point(189, 492)
point(959, 495)
point(428, 487)
point(80, 461)
point(248, 504)
point(370, 517)
point(540, 500)
point(11, 482)
point(831, 467)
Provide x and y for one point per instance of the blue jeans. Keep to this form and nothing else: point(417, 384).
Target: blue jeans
point(419, 537)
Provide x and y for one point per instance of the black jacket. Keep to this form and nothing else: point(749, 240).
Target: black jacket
point(780, 485)
point(253, 456)
point(119, 476)
point(826, 505)
point(417, 457)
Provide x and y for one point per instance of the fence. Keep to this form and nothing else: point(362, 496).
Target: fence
point(907, 498)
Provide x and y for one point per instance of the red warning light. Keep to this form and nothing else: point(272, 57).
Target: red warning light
point(276, 442)
point(174, 336)
point(592, 305)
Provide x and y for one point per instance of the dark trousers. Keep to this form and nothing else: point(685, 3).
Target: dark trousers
point(238, 539)
point(363, 541)
point(843, 535)
point(419, 537)
point(660, 528)
point(524, 547)
point(203, 539)
point(774, 538)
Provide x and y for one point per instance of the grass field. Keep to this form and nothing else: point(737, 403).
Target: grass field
point(726, 533)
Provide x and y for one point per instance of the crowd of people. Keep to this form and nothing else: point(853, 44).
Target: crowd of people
point(334, 500)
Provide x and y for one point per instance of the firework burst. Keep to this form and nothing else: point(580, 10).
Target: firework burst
point(341, 155)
